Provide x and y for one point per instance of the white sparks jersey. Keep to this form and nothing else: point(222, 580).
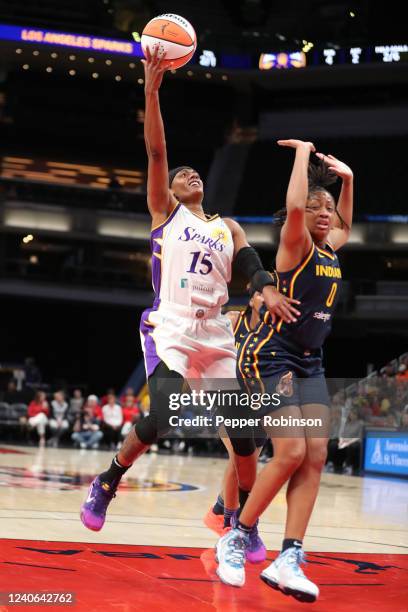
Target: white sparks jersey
point(191, 259)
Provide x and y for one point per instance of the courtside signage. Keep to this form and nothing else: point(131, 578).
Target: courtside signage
point(386, 453)
point(73, 41)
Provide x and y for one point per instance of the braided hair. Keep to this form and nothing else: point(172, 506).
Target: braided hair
point(319, 177)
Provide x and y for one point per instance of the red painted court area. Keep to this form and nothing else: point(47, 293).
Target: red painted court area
point(133, 578)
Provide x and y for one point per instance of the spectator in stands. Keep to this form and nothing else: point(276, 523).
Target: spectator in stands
point(12, 395)
point(391, 420)
point(92, 402)
point(129, 391)
point(75, 406)
point(32, 372)
point(112, 421)
point(37, 414)
point(104, 398)
point(131, 413)
point(385, 406)
point(58, 422)
point(19, 377)
point(402, 374)
point(404, 420)
point(401, 397)
point(349, 445)
point(388, 371)
point(375, 404)
point(365, 411)
point(87, 433)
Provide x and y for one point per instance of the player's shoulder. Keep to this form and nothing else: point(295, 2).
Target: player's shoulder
point(328, 251)
point(230, 222)
point(232, 225)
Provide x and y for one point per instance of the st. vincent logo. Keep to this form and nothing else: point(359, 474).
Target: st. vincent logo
point(376, 457)
point(65, 480)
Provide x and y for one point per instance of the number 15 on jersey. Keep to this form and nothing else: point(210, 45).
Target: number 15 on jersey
point(204, 264)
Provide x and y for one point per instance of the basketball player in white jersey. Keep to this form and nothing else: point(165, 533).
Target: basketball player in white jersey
point(184, 335)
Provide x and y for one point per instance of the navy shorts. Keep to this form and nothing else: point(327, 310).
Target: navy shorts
point(295, 374)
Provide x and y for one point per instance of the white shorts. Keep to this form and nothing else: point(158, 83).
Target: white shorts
point(196, 342)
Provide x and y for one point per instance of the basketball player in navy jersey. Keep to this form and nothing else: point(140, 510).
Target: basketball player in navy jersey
point(184, 335)
point(288, 360)
point(218, 517)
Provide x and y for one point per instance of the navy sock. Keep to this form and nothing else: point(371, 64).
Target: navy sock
point(113, 475)
point(218, 507)
point(227, 517)
point(290, 543)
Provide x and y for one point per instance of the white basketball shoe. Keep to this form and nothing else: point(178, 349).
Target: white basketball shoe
point(286, 575)
point(230, 554)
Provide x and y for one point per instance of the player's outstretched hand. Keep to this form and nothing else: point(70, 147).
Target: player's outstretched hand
point(279, 305)
point(336, 166)
point(154, 69)
point(297, 144)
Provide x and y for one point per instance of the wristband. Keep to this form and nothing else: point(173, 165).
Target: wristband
point(249, 263)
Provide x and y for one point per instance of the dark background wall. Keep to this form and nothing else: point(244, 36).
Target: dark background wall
point(86, 344)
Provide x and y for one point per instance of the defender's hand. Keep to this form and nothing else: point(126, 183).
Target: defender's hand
point(336, 166)
point(279, 305)
point(297, 144)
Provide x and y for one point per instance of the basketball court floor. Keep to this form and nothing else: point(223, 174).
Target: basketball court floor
point(155, 553)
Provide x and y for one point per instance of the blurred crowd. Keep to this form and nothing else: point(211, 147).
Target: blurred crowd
point(92, 422)
point(86, 422)
point(379, 401)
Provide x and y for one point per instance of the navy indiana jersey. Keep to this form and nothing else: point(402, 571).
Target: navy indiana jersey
point(315, 282)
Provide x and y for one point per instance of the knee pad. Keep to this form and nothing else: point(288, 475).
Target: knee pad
point(146, 430)
point(243, 446)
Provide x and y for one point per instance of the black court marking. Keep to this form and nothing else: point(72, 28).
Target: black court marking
point(61, 569)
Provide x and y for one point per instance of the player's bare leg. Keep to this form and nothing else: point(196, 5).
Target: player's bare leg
point(218, 516)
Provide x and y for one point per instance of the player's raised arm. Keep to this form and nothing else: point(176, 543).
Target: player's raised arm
point(295, 238)
point(159, 199)
point(340, 234)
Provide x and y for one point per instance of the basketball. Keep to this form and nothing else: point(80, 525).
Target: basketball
point(174, 35)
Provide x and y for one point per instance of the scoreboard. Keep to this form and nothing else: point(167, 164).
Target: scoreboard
point(328, 56)
point(332, 56)
point(359, 55)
